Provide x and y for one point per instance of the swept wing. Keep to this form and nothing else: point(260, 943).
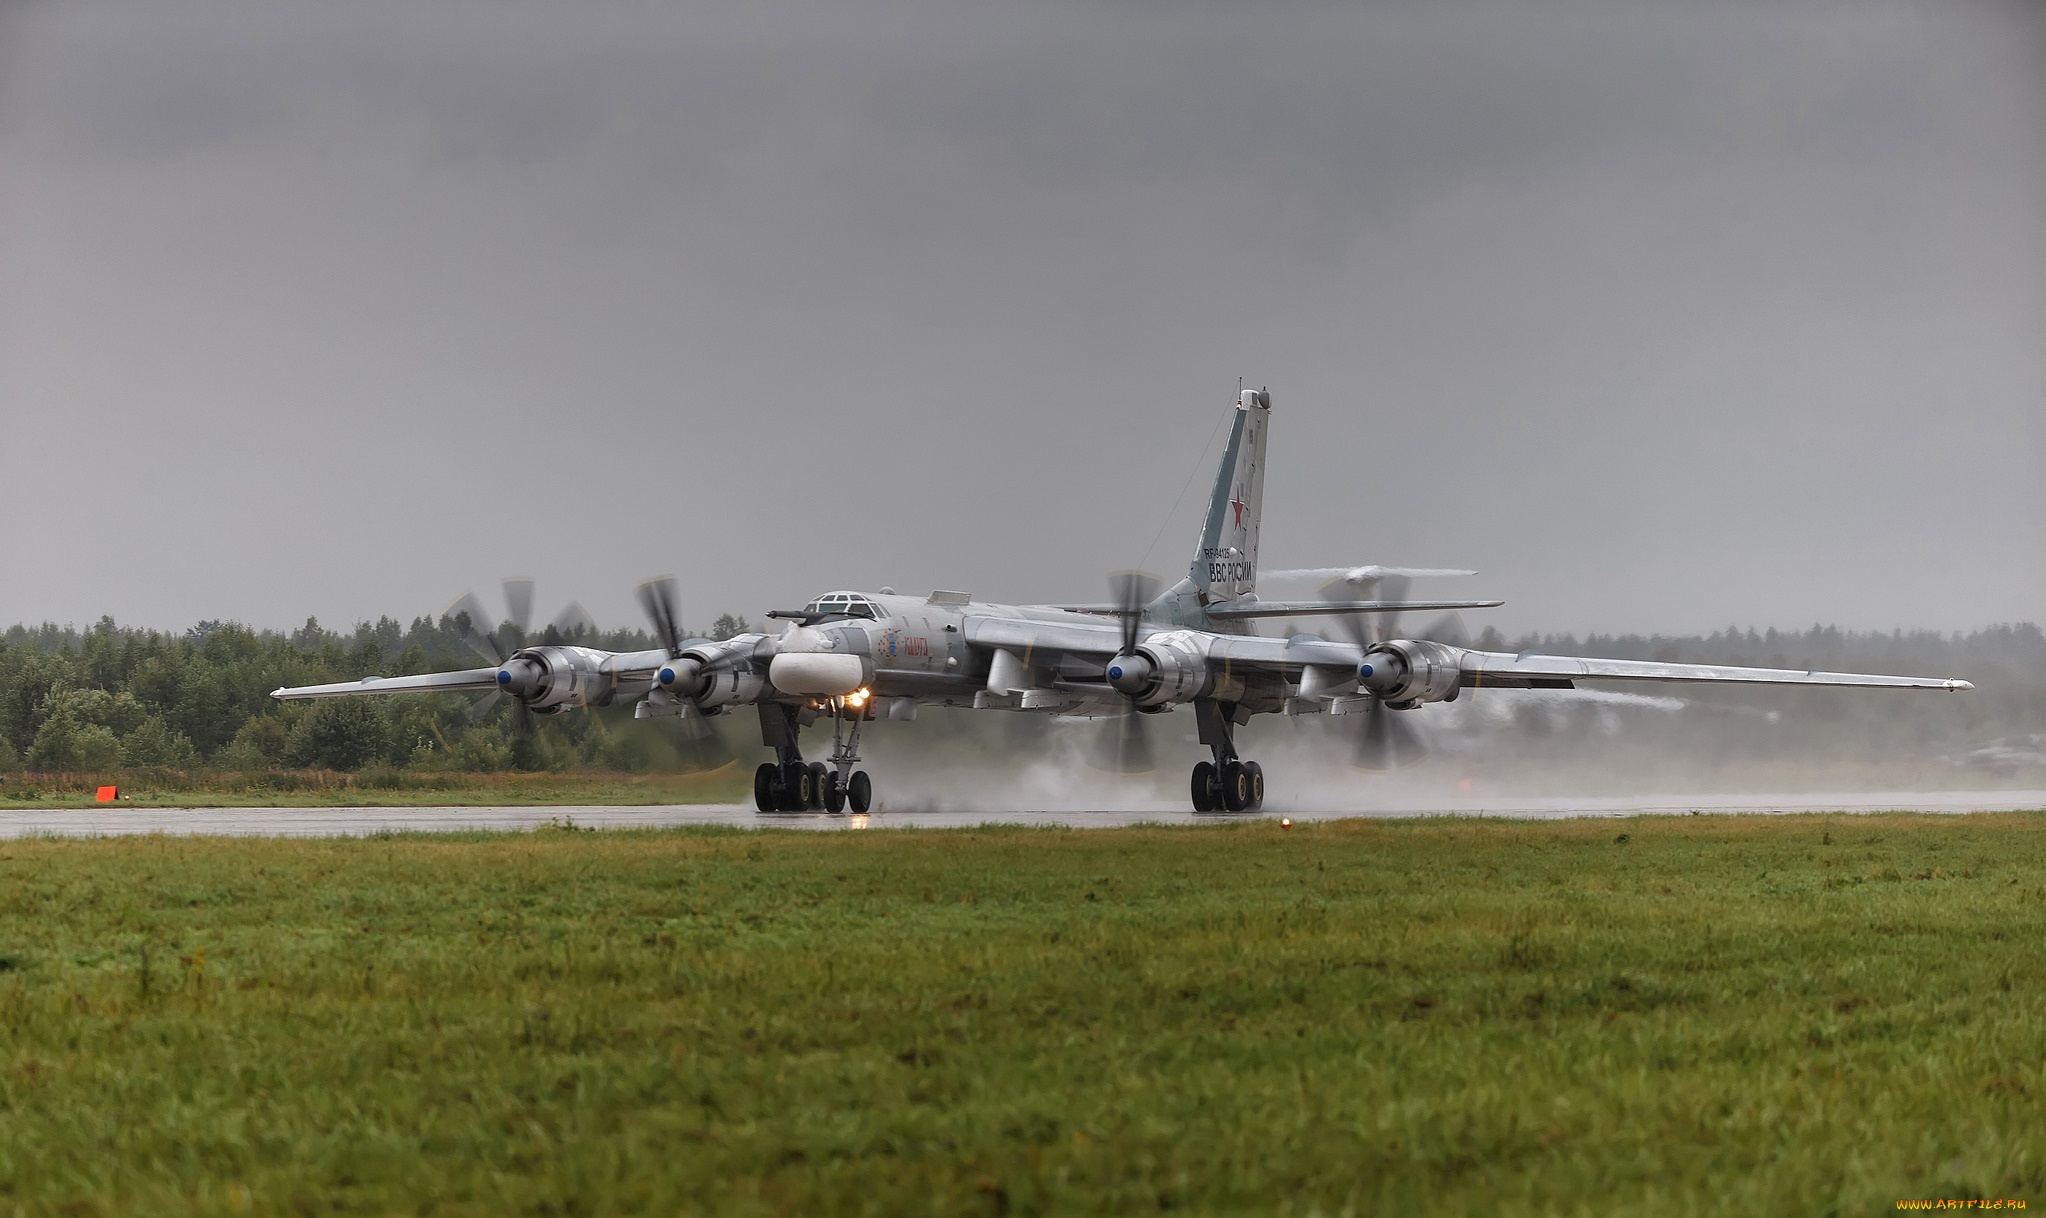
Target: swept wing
point(1499, 670)
point(468, 678)
point(1475, 669)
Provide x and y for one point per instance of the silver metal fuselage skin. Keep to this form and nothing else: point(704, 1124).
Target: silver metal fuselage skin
point(930, 651)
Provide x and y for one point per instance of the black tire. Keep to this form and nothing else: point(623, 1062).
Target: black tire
point(1235, 786)
point(834, 793)
point(794, 777)
point(816, 786)
point(859, 793)
point(766, 787)
point(1256, 773)
point(1204, 787)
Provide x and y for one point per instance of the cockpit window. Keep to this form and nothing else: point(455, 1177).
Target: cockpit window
point(840, 604)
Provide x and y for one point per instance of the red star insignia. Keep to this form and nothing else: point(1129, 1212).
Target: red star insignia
point(1237, 503)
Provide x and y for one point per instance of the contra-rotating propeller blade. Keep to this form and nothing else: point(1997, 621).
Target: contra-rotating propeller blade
point(699, 745)
point(518, 597)
point(573, 621)
point(1124, 743)
point(1356, 625)
point(1392, 588)
point(660, 597)
point(478, 634)
point(1388, 741)
point(1448, 629)
point(1131, 592)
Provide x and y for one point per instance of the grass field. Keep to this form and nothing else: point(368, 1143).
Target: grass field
point(1806, 1015)
point(376, 788)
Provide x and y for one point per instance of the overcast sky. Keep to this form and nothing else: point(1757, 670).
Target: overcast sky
point(1663, 316)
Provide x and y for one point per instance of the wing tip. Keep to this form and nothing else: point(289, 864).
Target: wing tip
point(1960, 686)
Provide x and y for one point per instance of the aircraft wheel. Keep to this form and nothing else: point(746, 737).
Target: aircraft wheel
point(1256, 773)
point(834, 793)
point(859, 792)
point(766, 787)
point(795, 783)
point(817, 786)
point(1204, 787)
point(1235, 786)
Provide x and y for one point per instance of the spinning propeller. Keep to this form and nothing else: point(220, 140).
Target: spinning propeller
point(1124, 746)
point(467, 609)
point(682, 677)
point(1388, 740)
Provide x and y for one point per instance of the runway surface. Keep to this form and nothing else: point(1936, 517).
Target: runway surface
point(346, 822)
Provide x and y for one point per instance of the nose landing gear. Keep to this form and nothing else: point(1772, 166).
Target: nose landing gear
point(793, 785)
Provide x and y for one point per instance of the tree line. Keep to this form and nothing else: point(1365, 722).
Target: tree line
point(114, 697)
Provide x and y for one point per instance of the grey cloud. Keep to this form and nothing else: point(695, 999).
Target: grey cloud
point(1668, 315)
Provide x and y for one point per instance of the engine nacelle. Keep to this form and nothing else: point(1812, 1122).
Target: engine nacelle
point(1171, 666)
point(553, 679)
point(1408, 672)
point(718, 675)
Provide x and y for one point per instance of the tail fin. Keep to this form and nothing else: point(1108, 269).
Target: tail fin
point(1225, 567)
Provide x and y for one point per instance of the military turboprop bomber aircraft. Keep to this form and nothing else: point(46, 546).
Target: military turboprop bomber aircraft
point(854, 657)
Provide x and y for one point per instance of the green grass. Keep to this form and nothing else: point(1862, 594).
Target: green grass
point(1803, 1015)
point(385, 788)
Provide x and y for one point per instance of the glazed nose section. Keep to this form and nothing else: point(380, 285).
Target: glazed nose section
point(1130, 674)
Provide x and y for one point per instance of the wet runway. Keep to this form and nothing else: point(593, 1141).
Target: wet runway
point(345, 822)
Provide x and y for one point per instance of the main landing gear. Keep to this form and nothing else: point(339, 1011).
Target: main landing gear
point(1226, 784)
point(793, 785)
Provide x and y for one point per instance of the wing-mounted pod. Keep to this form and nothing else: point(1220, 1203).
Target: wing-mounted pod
point(1168, 667)
point(1404, 673)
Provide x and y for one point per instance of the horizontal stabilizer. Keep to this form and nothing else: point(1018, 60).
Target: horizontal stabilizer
point(1310, 608)
point(1358, 575)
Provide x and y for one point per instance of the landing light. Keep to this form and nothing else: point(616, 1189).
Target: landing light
point(858, 697)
